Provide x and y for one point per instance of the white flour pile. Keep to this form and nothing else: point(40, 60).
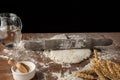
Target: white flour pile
point(67, 56)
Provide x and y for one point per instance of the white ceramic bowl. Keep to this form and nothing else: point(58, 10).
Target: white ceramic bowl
point(24, 76)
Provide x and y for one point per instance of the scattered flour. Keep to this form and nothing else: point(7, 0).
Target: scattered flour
point(86, 67)
point(109, 56)
point(21, 45)
point(66, 65)
point(60, 36)
point(71, 76)
point(4, 57)
point(76, 36)
point(44, 65)
point(67, 76)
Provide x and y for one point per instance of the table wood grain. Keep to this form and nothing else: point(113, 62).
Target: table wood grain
point(6, 74)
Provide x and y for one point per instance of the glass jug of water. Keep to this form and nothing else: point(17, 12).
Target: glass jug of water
point(10, 29)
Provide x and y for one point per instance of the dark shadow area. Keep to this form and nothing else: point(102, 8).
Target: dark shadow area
point(38, 76)
point(40, 17)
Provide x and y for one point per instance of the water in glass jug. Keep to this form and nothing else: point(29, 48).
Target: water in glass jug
point(10, 29)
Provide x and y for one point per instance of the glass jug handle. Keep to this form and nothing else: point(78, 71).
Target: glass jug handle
point(18, 22)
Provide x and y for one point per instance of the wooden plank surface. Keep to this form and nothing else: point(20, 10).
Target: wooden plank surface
point(5, 72)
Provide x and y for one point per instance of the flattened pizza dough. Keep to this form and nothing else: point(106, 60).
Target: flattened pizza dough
point(69, 56)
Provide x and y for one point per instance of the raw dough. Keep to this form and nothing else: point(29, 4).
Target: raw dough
point(69, 56)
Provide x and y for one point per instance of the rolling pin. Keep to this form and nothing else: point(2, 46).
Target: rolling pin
point(62, 44)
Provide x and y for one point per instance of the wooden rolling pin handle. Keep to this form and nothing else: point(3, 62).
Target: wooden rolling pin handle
point(102, 42)
point(59, 44)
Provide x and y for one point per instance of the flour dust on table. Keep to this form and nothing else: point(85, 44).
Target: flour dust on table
point(58, 58)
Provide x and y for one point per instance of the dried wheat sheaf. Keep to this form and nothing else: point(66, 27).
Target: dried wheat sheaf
point(101, 69)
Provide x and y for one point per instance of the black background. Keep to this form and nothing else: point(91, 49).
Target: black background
point(35, 22)
point(40, 17)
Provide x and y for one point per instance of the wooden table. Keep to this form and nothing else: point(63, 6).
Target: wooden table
point(44, 72)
